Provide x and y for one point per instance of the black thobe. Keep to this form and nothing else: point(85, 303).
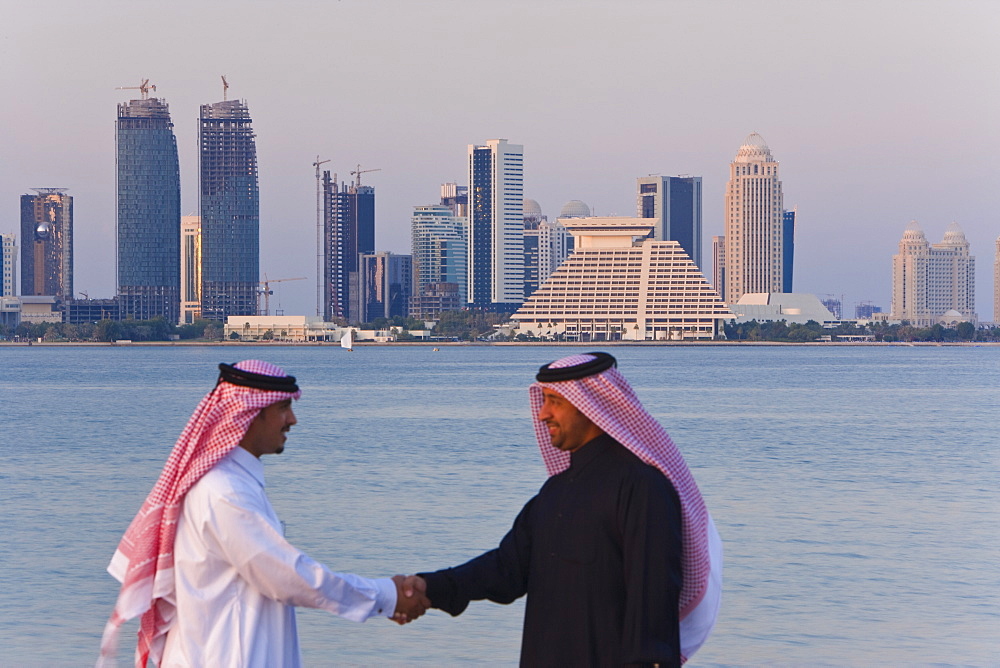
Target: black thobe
point(598, 552)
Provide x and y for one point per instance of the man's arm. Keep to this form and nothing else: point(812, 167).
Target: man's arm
point(280, 571)
point(500, 575)
point(652, 550)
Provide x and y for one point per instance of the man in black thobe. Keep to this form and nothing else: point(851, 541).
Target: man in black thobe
point(598, 550)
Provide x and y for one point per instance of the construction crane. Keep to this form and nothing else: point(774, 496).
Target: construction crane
point(225, 88)
point(267, 292)
point(319, 236)
point(358, 172)
point(143, 88)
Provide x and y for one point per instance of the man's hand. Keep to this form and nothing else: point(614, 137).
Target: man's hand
point(411, 598)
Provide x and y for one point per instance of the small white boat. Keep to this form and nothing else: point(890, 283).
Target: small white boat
point(347, 340)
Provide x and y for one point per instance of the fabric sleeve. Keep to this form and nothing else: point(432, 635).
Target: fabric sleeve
point(280, 571)
point(650, 516)
point(500, 575)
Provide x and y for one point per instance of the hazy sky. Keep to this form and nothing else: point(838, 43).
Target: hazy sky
point(879, 112)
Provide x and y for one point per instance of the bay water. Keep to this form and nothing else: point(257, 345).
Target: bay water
point(855, 489)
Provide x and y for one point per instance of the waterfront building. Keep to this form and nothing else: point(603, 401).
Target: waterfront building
point(439, 248)
point(149, 211)
point(47, 243)
point(80, 311)
point(674, 202)
point(719, 264)
point(435, 298)
point(385, 286)
point(928, 280)
point(8, 270)
point(533, 217)
point(776, 306)
point(788, 250)
point(348, 232)
point(190, 269)
point(754, 223)
point(229, 203)
point(612, 288)
point(496, 225)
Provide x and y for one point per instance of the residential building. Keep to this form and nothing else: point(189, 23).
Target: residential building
point(929, 281)
point(674, 202)
point(8, 270)
point(719, 264)
point(149, 211)
point(348, 231)
point(435, 298)
point(754, 223)
point(190, 269)
point(47, 243)
point(439, 248)
point(385, 286)
point(613, 288)
point(229, 202)
point(496, 225)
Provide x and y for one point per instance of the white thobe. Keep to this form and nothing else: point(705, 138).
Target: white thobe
point(237, 579)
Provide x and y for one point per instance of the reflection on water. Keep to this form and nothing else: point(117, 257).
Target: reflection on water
point(855, 489)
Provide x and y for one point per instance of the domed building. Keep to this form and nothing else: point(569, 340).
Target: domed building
point(933, 283)
point(574, 209)
point(757, 248)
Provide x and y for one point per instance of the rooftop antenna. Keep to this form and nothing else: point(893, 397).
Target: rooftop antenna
point(143, 88)
point(319, 236)
point(225, 88)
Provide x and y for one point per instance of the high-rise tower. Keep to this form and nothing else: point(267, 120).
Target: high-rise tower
point(496, 225)
point(438, 247)
point(996, 285)
point(230, 210)
point(348, 231)
point(754, 230)
point(149, 211)
point(8, 264)
point(675, 203)
point(190, 269)
point(47, 243)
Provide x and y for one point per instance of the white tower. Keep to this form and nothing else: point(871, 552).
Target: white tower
point(754, 222)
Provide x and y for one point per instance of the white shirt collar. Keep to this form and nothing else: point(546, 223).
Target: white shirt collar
point(249, 463)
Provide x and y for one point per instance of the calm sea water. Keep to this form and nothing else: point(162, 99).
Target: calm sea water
point(856, 489)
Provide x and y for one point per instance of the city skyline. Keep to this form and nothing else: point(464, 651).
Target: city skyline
point(877, 113)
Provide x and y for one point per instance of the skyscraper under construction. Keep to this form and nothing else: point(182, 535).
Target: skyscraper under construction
point(348, 231)
point(230, 210)
point(149, 211)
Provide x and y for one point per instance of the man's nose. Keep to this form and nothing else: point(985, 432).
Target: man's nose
point(291, 418)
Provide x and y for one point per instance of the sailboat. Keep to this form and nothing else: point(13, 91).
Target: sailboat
point(347, 340)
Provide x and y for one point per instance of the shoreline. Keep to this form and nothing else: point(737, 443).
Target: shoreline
point(454, 344)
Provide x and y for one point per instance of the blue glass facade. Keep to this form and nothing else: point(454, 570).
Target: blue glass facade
point(230, 210)
point(149, 212)
point(788, 251)
point(348, 231)
point(675, 201)
point(481, 223)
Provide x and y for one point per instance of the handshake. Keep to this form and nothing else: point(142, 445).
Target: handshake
point(411, 598)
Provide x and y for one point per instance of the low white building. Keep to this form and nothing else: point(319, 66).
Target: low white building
point(788, 306)
point(302, 328)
